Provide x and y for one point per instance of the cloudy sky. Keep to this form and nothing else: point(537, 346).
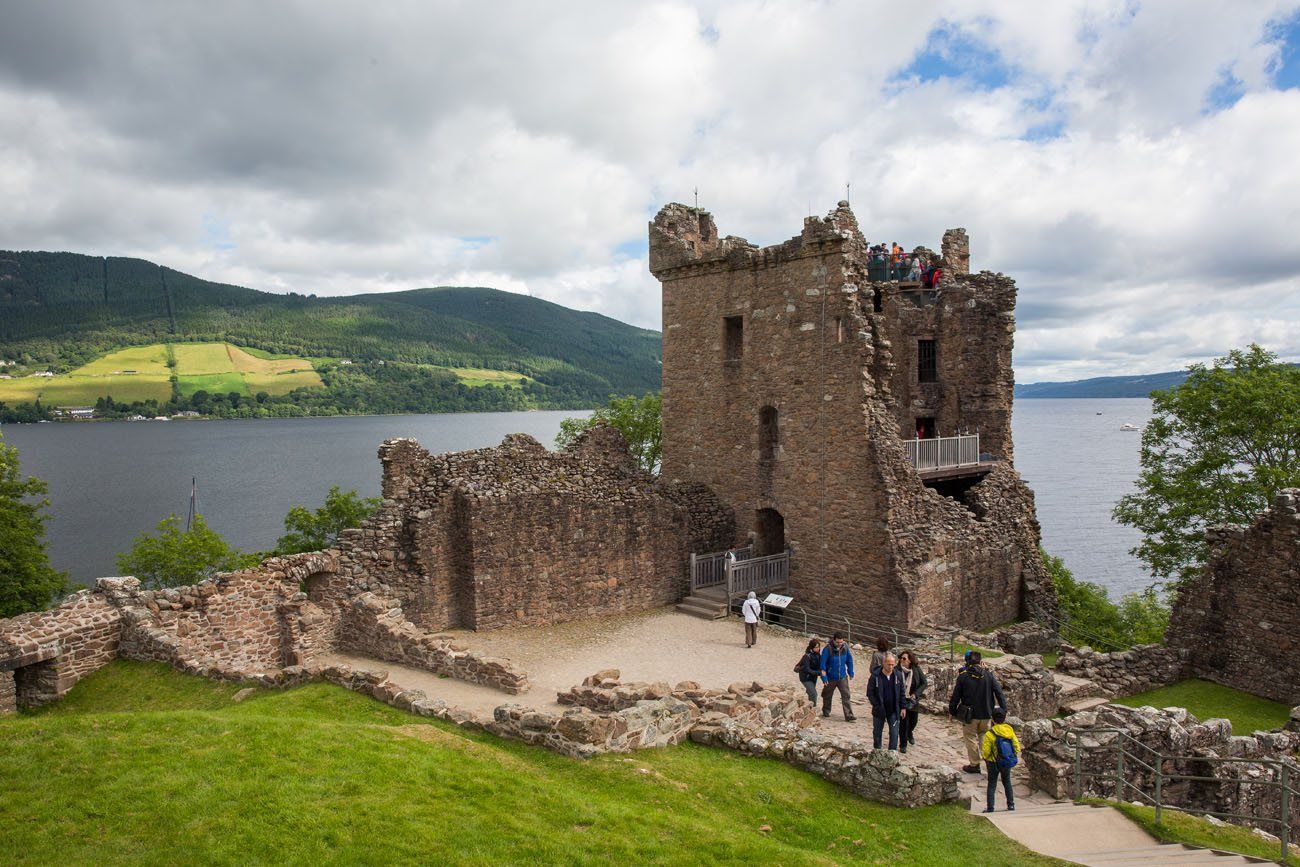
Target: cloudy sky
point(1135, 165)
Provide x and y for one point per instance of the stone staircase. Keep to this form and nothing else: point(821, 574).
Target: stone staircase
point(1089, 835)
point(707, 604)
point(1078, 694)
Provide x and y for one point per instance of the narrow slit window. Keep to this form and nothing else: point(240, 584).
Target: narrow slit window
point(769, 437)
point(733, 337)
point(927, 368)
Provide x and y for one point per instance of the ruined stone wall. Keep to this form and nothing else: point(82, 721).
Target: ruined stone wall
point(518, 535)
point(1240, 620)
point(42, 654)
point(869, 539)
point(1126, 672)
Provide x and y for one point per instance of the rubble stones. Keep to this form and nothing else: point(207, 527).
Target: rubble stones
point(1125, 672)
point(1028, 637)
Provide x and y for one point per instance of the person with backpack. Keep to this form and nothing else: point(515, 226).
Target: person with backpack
point(974, 696)
point(809, 669)
point(836, 672)
point(1001, 751)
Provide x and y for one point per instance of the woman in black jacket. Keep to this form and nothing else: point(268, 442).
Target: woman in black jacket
point(915, 683)
point(809, 669)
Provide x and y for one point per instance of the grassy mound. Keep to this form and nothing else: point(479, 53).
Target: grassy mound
point(1207, 700)
point(141, 764)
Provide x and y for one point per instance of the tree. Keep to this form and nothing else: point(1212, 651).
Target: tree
point(314, 531)
point(639, 419)
point(1217, 450)
point(175, 556)
point(27, 581)
point(1088, 616)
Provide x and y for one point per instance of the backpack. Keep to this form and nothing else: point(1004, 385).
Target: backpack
point(1004, 752)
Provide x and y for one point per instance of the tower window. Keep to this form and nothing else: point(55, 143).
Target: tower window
point(733, 337)
point(769, 437)
point(927, 368)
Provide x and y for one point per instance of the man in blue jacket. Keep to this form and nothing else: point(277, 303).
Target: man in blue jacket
point(837, 671)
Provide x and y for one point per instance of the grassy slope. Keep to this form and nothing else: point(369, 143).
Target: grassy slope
point(141, 764)
point(1207, 700)
point(1178, 827)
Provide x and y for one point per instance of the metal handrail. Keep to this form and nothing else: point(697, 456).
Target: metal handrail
point(936, 453)
point(815, 621)
point(1281, 780)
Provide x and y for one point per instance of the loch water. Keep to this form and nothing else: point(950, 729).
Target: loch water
point(109, 482)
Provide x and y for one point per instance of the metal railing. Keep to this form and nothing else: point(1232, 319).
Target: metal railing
point(939, 453)
point(710, 570)
point(822, 625)
point(1147, 764)
point(881, 269)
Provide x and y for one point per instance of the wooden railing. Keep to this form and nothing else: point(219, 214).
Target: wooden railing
point(710, 570)
point(758, 574)
point(939, 453)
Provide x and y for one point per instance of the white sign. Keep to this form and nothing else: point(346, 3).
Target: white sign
point(776, 600)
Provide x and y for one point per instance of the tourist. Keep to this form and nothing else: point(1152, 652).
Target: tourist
point(836, 672)
point(751, 610)
point(1001, 753)
point(974, 696)
point(810, 668)
point(878, 657)
point(885, 692)
point(915, 273)
point(914, 686)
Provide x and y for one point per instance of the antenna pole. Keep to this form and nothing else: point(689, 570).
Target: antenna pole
point(697, 198)
point(847, 184)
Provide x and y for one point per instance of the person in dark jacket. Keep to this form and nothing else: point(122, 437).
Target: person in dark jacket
point(810, 668)
point(974, 696)
point(914, 686)
point(837, 671)
point(885, 692)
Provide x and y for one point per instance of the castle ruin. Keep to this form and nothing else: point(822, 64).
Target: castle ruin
point(863, 423)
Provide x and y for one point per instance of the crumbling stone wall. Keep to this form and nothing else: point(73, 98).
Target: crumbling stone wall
point(1029, 688)
point(1126, 672)
point(796, 333)
point(1240, 620)
point(42, 654)
point(1182, 740)
point(518, 535)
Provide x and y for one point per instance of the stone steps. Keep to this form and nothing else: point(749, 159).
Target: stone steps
point(1079, 705)
point(706, 607)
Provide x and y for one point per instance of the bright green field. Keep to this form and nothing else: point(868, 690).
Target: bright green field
point(213, 367)
point(1178, 827)
point(1207, 700)
point(140, 764)
point(479, 376)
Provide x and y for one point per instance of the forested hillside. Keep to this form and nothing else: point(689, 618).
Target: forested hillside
point(59, 311)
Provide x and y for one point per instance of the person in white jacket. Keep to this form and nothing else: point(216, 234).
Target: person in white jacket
point(751, 610)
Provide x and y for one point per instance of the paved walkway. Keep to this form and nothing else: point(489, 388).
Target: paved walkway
point(664, 645)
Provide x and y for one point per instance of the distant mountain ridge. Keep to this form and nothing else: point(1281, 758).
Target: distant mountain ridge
point(65, 309)
point(1140, 385)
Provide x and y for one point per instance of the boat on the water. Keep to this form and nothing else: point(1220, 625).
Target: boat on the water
point(1128, 426)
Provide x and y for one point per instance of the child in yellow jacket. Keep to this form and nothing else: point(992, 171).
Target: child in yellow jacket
point(996, 761)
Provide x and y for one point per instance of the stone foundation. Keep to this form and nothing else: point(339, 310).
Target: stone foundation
point(1172, 732)
point(1126, 672)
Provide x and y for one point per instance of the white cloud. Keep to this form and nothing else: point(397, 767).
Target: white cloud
point(1131, 163)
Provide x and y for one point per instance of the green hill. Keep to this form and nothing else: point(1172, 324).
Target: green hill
point(59, 311)
point(139, 764)
point(1140, 385)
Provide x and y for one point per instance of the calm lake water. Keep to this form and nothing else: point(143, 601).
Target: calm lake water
point(111, 481)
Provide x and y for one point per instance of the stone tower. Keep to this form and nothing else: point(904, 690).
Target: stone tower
point(793, 379)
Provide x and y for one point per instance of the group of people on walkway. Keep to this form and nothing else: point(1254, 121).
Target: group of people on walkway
point(895, 686)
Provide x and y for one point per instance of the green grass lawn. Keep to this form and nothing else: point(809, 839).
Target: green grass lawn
point(140, 764)
point(1248, 713)
point(1176, 827)
point(985, 652)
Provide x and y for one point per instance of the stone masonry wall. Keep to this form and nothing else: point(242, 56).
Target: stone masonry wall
point(1240, 620)
point(1126, 672)
point(42, 654)
point(517, 535)
point(793, 333)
